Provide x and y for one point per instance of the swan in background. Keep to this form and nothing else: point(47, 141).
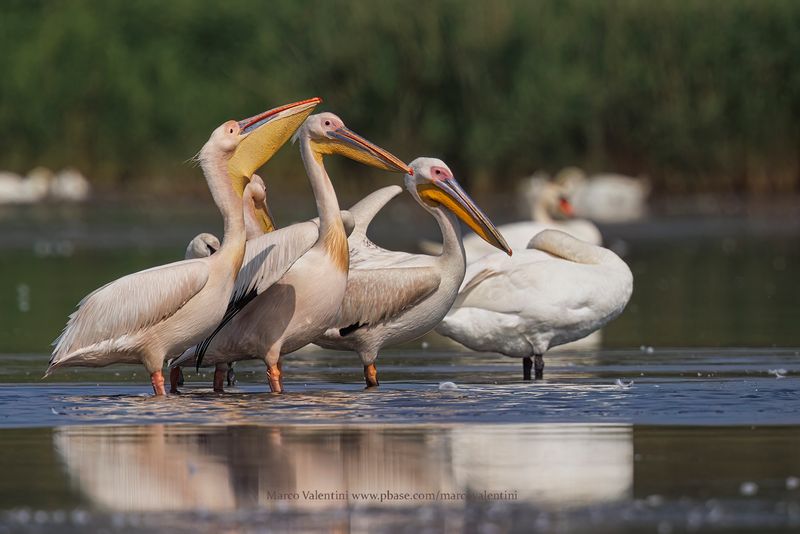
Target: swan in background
point(394, 297)
point(14, 189)
point(558, 290)
point(41, 184)
point(145, 316)
point(550, 209)
point(606, 198)
point(305, 301)
point(70, 185)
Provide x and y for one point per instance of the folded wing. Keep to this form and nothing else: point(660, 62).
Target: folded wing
point(130, 304)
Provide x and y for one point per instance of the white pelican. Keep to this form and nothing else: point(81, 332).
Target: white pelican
point(607, 197)
point(147, 315)
point(393, 297)
point(204, 245)
point(298, 308)
point(558, 290)
point(550, 209)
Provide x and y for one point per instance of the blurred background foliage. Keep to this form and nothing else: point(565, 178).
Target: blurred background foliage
point(699, 96)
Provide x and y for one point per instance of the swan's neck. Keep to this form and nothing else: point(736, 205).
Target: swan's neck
point(539, 212)
point(567, 247)
point(331, 229)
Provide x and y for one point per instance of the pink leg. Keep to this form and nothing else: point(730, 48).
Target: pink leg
point(157, 379)
point(274, 378)
point(371, 375)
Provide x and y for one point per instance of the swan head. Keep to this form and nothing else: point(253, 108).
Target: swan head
point(548, 200)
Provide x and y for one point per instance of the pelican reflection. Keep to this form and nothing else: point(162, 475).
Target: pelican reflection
point(315, 467)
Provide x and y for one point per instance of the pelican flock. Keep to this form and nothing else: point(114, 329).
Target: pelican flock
point(263, 292)
point(169, 308)
point(297, 309)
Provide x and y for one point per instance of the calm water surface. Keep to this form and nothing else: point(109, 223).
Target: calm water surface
point(672, 440)
point(625, 434)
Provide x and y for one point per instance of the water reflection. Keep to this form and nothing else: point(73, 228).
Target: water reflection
point(307, 468)
point(558, 465)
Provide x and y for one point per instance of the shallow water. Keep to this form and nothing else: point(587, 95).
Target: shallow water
point(661, 441)
point(624, 435)
point(698, 281)
point(666, 386)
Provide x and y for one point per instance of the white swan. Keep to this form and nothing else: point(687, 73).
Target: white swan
point(15, 189)
point(607, 198)
point(559, 290)
point(70, 185)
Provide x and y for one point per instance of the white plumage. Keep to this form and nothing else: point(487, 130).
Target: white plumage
point(607, 197)
point(307, 296)
point(393, 297)
point(145, 316)
point(559, 290)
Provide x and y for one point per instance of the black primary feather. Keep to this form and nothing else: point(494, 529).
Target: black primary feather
point(350, 329)
point(233, 309)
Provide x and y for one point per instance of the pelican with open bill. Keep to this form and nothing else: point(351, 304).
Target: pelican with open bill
point(145, 316)
point(303, 304)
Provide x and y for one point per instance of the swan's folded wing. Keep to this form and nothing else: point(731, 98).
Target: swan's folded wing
point(501, 283)
point(374, 295)
point(130, 304)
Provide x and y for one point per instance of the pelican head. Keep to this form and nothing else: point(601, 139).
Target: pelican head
point(248, 144)
point(433, 183)
point(203, 245)
point(329, 135)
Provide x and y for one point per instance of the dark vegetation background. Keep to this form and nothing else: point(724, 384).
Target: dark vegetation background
point(699, 96)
